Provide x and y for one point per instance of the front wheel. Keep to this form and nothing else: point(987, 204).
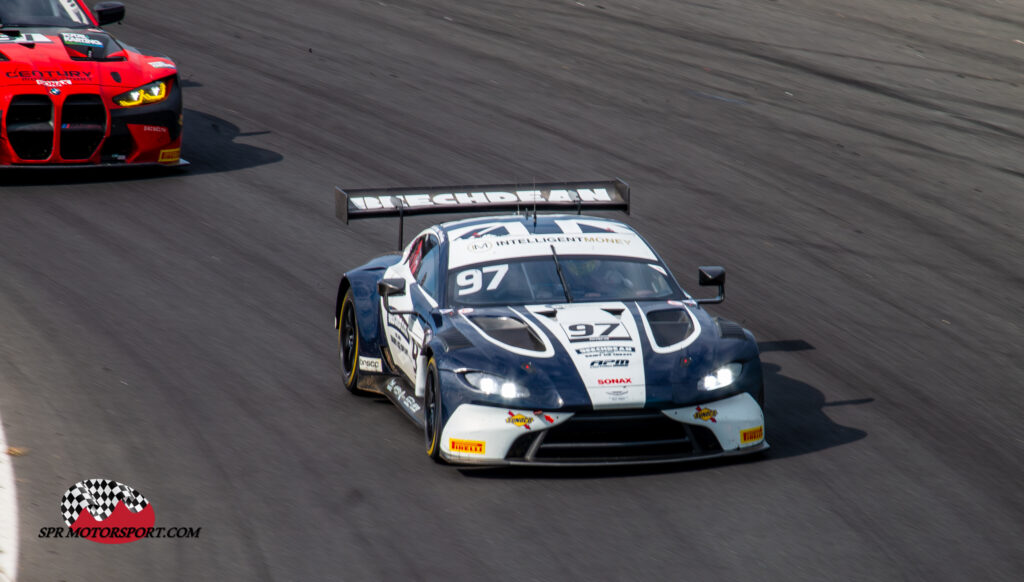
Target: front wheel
point(432, 427)
point(348, 344)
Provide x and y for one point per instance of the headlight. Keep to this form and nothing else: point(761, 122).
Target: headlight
point(495, 385)
point(722, 377)
point(151, 93)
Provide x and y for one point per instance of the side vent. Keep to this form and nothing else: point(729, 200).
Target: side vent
point(729, 329)
point(452, 339)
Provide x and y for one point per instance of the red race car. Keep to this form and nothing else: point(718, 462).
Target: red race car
point(72, 95)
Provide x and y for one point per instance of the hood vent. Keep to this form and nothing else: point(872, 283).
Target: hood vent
point(82, 46)
point(510, 331)
point(669, 326)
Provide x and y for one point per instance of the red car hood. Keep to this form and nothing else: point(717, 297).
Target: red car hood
point(54, 57)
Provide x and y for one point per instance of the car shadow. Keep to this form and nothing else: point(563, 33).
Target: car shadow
point(210, 145)
point(796, 424)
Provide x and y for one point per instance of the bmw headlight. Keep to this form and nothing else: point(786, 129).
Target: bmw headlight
point(495, 385)
point(152, 93)
point(722, 377)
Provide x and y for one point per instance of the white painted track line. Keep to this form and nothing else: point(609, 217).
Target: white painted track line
point(8, 515)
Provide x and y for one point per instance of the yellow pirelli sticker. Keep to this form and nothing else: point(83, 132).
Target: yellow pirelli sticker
point(461, 446)
point(751, 435)
point(167, 156)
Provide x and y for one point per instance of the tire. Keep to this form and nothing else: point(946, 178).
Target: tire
point(348, 344)
point(432, 413)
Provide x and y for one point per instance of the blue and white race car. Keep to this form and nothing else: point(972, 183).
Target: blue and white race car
point(544, 339)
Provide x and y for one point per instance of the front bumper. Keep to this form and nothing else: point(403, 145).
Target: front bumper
point(486, 435)
point(79, 126)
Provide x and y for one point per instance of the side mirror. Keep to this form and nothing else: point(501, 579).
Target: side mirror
point(108, 12)
point(712, 277)
point(389, 287)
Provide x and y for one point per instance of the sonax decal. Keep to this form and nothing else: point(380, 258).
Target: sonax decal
point(705, 414)
point(519, 420)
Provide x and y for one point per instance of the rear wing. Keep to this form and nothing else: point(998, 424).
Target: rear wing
point(400, 202)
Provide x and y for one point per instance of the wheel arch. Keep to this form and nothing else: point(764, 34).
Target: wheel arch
point(343, 287)
point(363, 286)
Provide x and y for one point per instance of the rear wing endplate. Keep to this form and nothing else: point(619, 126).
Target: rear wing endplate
point(402, 202)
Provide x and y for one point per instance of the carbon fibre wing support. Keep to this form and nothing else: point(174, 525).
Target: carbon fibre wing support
point(400, 202)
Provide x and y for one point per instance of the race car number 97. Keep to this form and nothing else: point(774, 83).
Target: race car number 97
point(588, 332)
point(471, 281)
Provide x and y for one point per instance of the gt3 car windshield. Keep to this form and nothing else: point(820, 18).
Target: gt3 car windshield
point(537, 281)
point(42, 13)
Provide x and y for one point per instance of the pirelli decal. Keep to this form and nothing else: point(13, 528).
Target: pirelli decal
point(351, 204)
point(751, 435)
point(472, 447)
point(169, 156)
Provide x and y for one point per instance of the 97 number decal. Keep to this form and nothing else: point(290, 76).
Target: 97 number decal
point(471, 281)
point(588, 332)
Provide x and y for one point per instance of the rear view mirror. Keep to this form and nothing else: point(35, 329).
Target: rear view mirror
point(108, 12)
point(712, 277)
point(388, 287)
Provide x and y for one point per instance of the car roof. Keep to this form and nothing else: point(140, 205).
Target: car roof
point(543, 224)
point(496, 238)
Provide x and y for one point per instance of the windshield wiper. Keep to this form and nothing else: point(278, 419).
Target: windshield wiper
point(561, 275)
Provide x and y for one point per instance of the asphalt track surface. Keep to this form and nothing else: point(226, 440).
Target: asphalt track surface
point(855, 165)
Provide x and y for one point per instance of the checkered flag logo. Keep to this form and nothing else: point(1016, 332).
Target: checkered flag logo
point(100, 497)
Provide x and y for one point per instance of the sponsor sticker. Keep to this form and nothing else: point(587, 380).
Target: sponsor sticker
point(751, 435)
point(369, 364)
point(53, 84)
point(584, 195)
point(519, 420)
point(605, 351)
point(609, 363)
point(80, 39)
point(472, 447)
point(154, 128)
point(399, 324)
point(170, 155)
point(612, 381)
point(405, 399)
point(705, 414)
point(73, 75)
point(563, 238)
point(162, 65)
